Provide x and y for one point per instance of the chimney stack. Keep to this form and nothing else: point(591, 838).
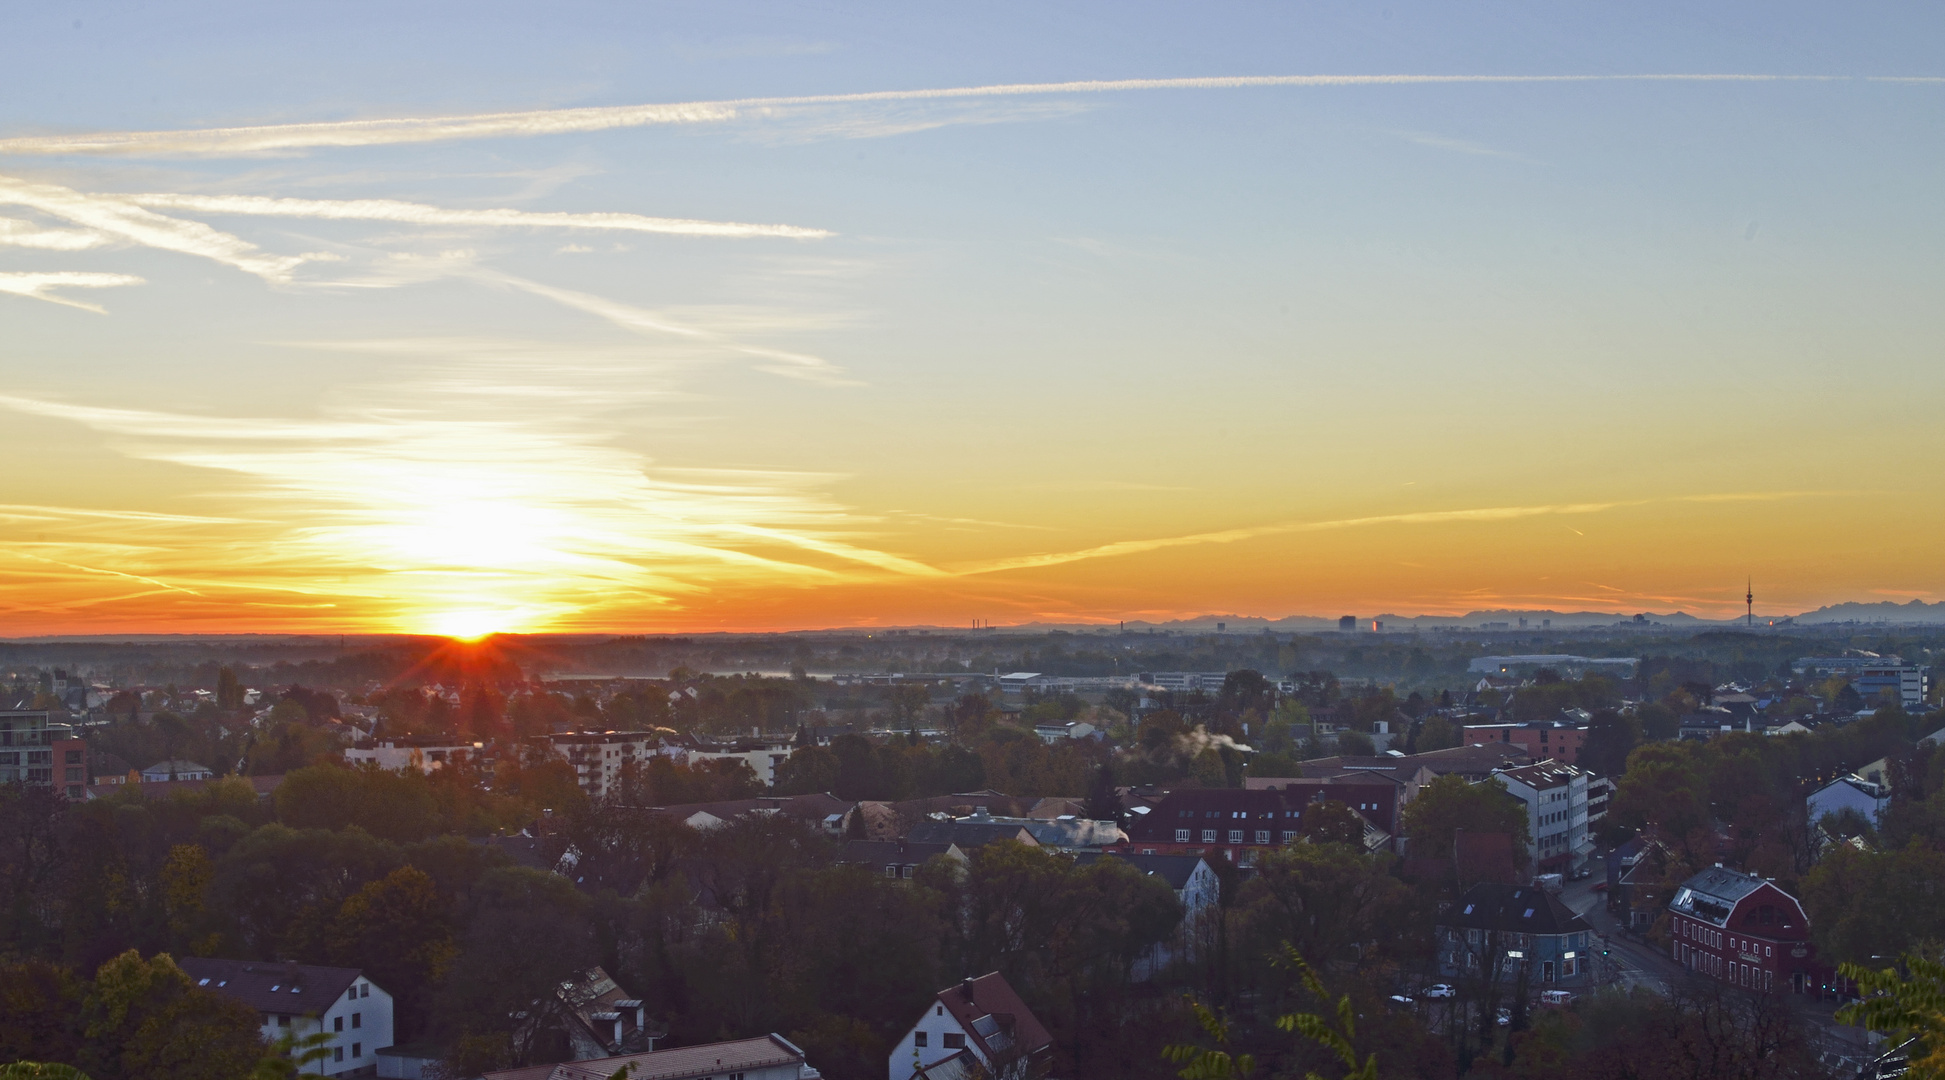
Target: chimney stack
point(966, 991)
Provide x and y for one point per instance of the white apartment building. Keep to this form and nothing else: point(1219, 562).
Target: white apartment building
point(398, 755)
point(1555, 795)
point(598, 756)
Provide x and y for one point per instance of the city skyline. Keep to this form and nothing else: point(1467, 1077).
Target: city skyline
point(761, 319)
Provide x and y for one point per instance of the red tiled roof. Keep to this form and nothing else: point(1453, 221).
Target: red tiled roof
point(993, 996)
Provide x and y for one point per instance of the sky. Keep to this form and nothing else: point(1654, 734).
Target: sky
point(459, 318)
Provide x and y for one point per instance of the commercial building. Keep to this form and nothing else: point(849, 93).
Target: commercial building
point(1743, 930)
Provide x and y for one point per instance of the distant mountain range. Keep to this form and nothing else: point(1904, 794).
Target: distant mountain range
point(1916, 612)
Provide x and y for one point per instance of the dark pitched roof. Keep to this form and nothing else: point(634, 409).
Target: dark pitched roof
point(709, 1059)
point(162, 789)
point(968, 834)
point(992, 997)
point(1714, 893)
point(1174, 869)
point(1520, 909)
point(272, 988)
point(889, 852)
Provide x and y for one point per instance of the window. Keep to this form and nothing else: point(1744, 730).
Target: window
point(938, 1010)
point(337, 1054)
point(918, 1038)
point(357, 1050)
point(1289, 837)
point(337, 1023)
point(1181, 836)
point(1208, 836)
point(891, 871)
point(364, 989)
point(74, 758)
point(283, 1021)
point(1235, 836)
point(952, 1040)
point(357, 1020)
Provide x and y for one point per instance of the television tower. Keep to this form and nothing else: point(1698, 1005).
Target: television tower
point(1749, 601)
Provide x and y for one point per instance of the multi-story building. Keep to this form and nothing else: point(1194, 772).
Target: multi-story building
point(1555, 795)
point(598, 756)
point(397, 755)
point(763, 758)
point(1540, 739)
point(1515, 932)
point(27, 747)
point(1871, 676)
point(352, 1012)
point(1743, 930)
point(1239, 824)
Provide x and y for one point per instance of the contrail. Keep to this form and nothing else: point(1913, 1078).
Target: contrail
point(421, 214)
point(378, 132)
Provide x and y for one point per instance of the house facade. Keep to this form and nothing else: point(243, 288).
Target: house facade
point(1851, 792)
point(303, 999)
point(398, 755)
point(977, 1027)
point(1240, 824)
point(1516, 933)
point(1743, 930)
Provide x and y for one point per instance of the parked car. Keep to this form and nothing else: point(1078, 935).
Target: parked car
point(1504, 1017)
point(1401, 999)
point(1583, 873)
point(1440, 990)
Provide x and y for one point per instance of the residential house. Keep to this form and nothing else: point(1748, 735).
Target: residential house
point(1197, 888)
point(1555, 795)
point(1055, 730)
point(980, 1022)
point(969, 833)
point(1518, 933)
point(353, 1013)
point(175, 769)
point(599, 1018)
point(1231, 823)
point(1851, 792)
point(1743, 930)
point(897, 859)
point(770, 1057)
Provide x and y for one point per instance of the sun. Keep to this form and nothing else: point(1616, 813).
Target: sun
point(471, 624)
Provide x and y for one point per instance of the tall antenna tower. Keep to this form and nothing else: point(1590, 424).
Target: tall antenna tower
point(1749, 601)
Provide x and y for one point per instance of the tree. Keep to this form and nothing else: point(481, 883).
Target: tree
point(144, 1020)
point(40, 1012)
point(1331, 822)
point(1438, 733)
point(1103, 800)
point(1611, 737)
point(1909, 1006)
point(806, 771)
point(1355, 744)
point(1449, 805)
point(398, 930)
point(526, 933)
point(1867, 904)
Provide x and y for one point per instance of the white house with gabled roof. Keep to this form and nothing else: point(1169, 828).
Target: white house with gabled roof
point(977, 1028)
point(304, 999)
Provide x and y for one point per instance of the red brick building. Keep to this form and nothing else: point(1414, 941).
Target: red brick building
point(1238, 824)
point(1743, 930)
point(1541, 739)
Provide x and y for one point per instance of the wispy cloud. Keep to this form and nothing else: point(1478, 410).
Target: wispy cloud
point(233, 141)
point(1458, 146)
point(1230, 536)
point(17, 233)
point(117, 218)
point(420, 214)
point(40, 286)
point(793, 365)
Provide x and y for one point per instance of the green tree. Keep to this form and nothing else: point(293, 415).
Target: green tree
point(807, 771)
point(1868, 904)
point(1449, 805)
point(1908, 1006)
point(399, 930)
point(144, 1020)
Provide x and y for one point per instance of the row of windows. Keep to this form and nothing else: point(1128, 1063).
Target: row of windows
point(951, 1040)
point(1182, 836)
